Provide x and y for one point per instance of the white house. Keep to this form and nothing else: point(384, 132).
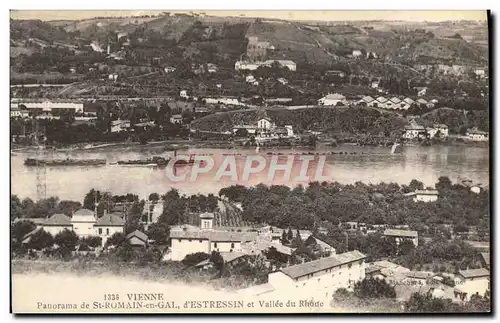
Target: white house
point(424, 195)
point(356, 53)
point(393, 103)
point(321, 275)
point(252, 66)
point(243, 65)
point(56, 224)
point(289, 130)
point(120, 125)
point(402, 235)
point(472, 281)
point(414, 130)
point(176, 118)
point(421, 91)
point(169, 69)
point(46, 105)
point(480, 72)
point(368, 100)
point(476, 135)
point(380, 102)
point(265, 123)
point(183, 94)
point(332, 99)
point(107, 225)
point(83, 222)
point(205, 239)
point(438, 129)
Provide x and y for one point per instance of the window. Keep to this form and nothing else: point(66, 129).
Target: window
point(107, 231)
point(232, 245)
point(215, 245)
point(100, 230)
point(190, 240)
point(349, 266)
point(201, 241)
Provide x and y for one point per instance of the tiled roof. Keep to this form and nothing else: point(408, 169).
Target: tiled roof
point(486, 257)
point(368, 99)
point(322, 264)
point(335, 96)
point(215, 236)
point(419, 275)
point(395, 100)
point(230, 256)
point(84, 212)
point(138, 234)
point(472, 273)
point(401, 233)
point(58, 219)
point(426, 192)
point(381, 99)
point(110, 220)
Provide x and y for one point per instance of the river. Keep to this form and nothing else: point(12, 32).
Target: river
point(365, 164)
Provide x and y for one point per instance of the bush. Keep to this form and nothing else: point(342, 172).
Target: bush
point(374, 288)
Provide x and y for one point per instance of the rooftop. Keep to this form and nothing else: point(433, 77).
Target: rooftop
point(473, 273)
point(401, 233)
point(138, 234)
point(58, 219)
point(322, 264)
point(215, 236)
point(109, 220)
point(486, 257)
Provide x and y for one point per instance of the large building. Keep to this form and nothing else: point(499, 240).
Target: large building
point(321, 277)
point(472, 282)
point(21, 104)
point(402, 235)
point(251, 66)
point(84, 223)
point(332, 99)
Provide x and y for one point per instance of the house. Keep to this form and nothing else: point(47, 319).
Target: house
point(473, 281)
point(183, 94)
point(421, 91)
point(335, 73)
point(413, 130)
point(332, 99)
point(176, 119)
point(120, 125)
point(231, 259)
point(485, 260)
point(250, 79)
point(137, 238)
point(251, 130)
point(265, 123)
point(83, 222)
point(408, 101)
point(212, 68)
point(476, 135)
point(283, 81)
point(324, 248)
point(424, 195)
point(356, 53)
point(283, 63)
point(402, 235)
point(57, 223)
point(480, 73)
point(19, 113)
point(243, 65)
point(393, 103)
point(289, 130)
point(185, 241)
point(169, 69)
point(422, 101)
point(418, 277)
point(375, 84)
point(368, 100)
point(252, 66)
point(380, 102)
point(107, 225)
point(321, 275)
point(438, 131)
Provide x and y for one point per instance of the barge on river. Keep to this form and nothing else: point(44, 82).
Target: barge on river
point(64, 162)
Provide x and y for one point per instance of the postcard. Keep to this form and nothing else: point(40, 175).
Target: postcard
point(189, 162)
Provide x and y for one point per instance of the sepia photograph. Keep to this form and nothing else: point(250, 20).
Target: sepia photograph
point(245, 162)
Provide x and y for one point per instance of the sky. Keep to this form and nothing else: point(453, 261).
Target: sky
point(282, 14)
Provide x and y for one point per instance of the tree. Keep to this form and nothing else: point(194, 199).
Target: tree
point(159, 232)
point(297, 240)
point(217, 260)
point(406, 247)
point(20, 229)
point(116, 239)
point(154, 197)
point(41, 240)
point(289, 235)
point(284, 239)
point(92, 241)
point(374, 288)
point(419, 303)
point(67, 241)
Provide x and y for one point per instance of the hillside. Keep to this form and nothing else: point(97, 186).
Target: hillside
point(457, 120)
point(334, 120)
point(321, 42)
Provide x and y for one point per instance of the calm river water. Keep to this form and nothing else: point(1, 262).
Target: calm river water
point(365, 164)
